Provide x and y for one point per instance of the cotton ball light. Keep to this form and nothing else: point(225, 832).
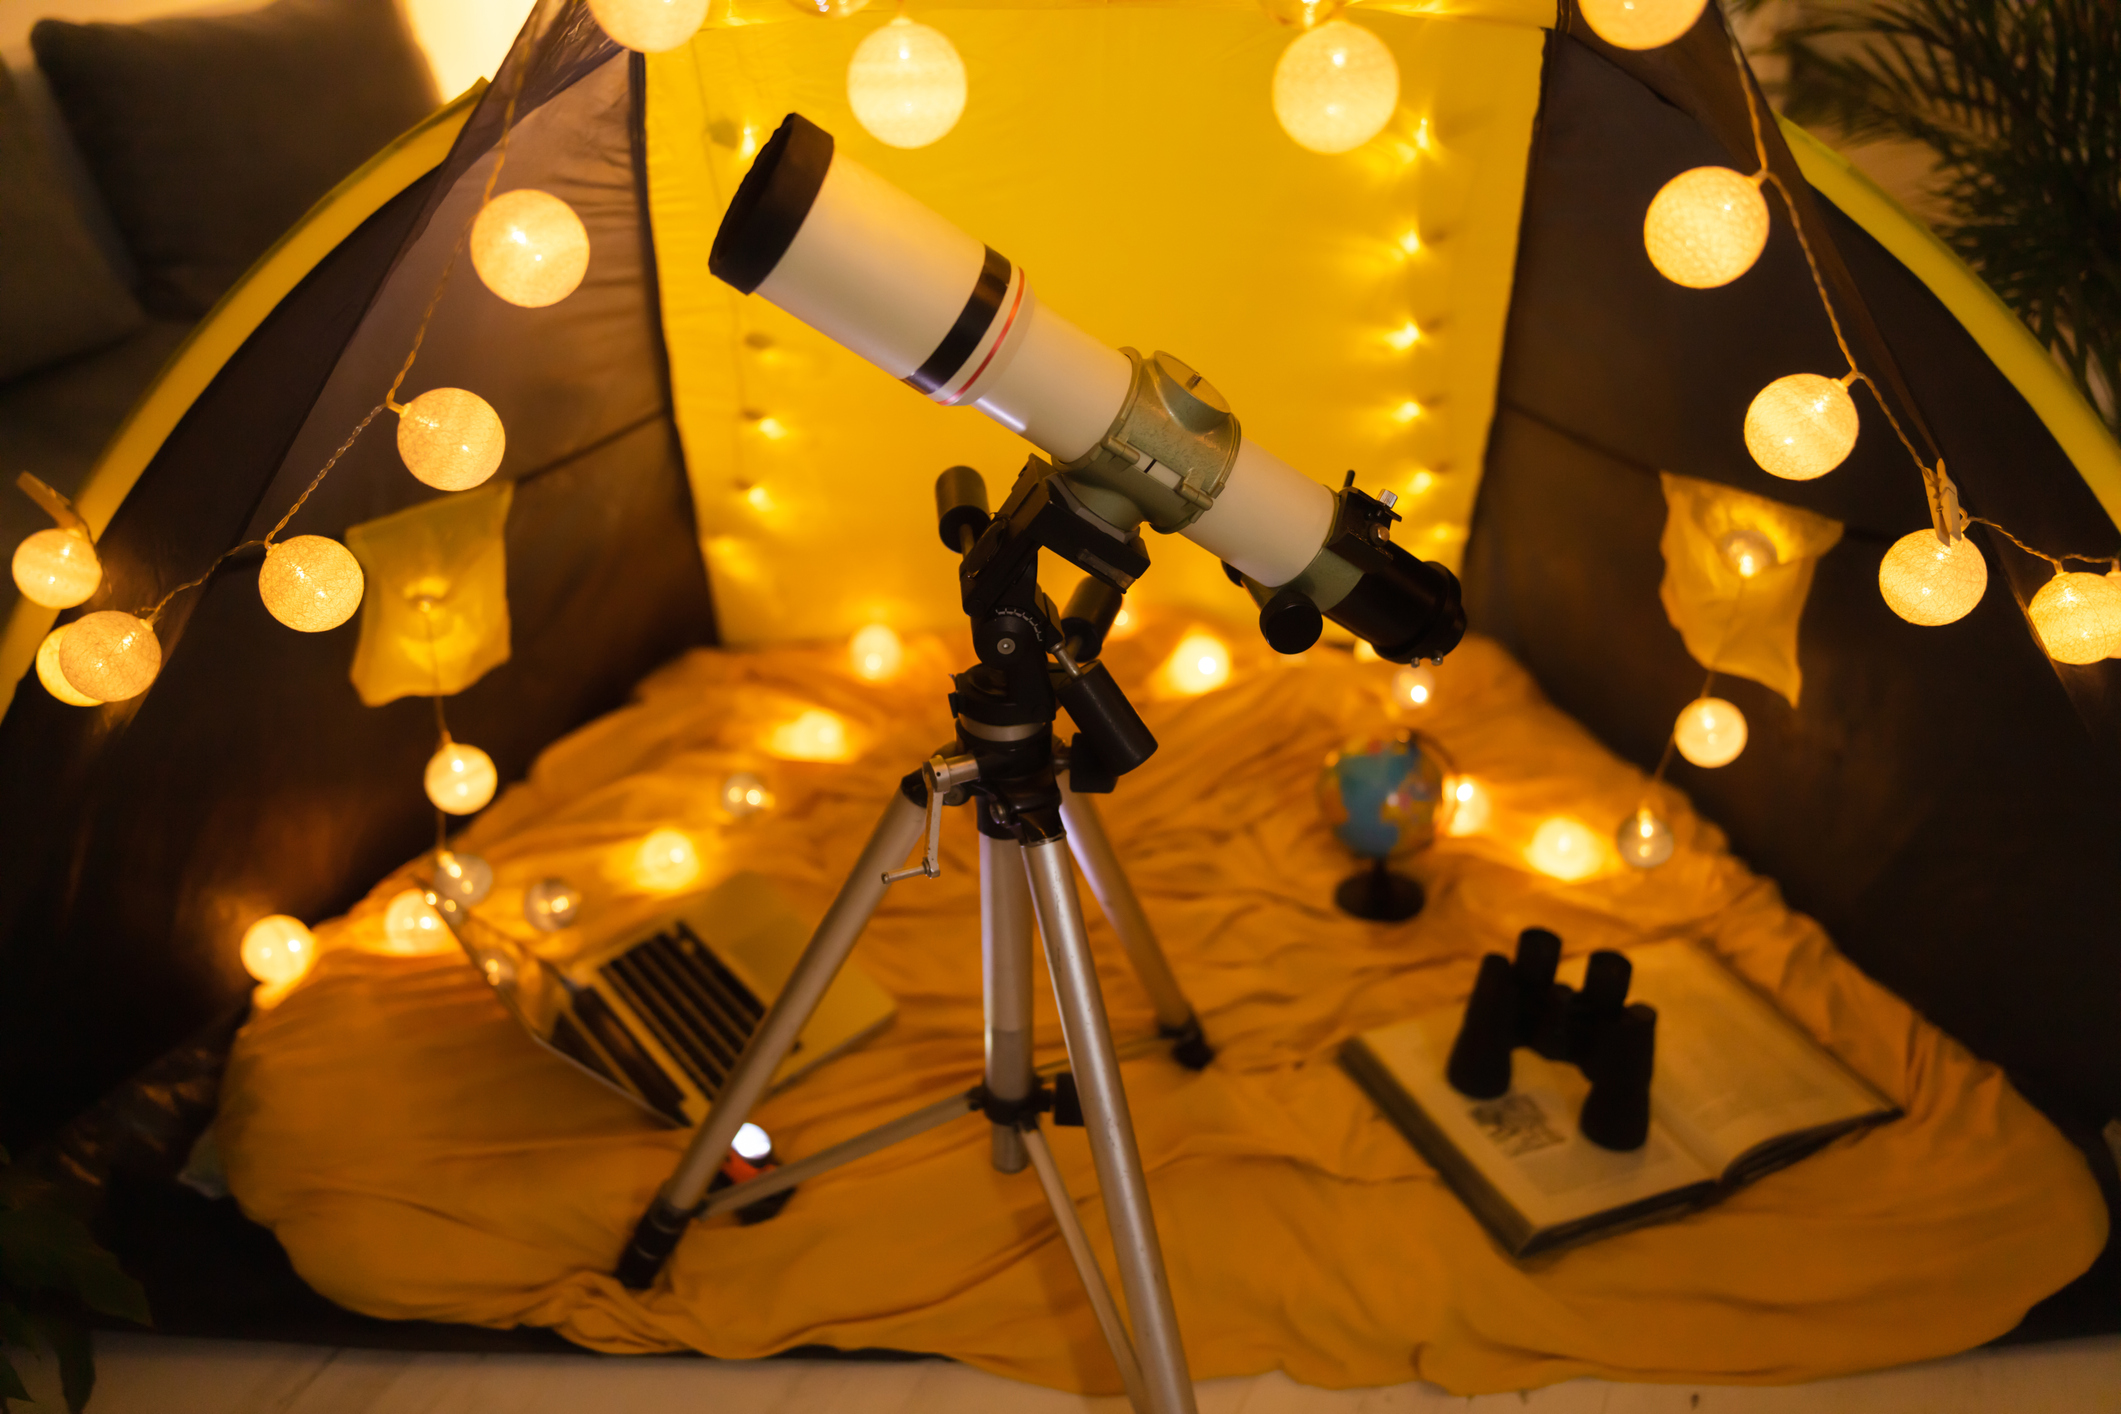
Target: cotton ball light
point(1706, 227)
point(2078, 617)
point(650, 26)
point(1928, 582)
point(1414, 686)
point(1747, 551)
point(1640, 24)
point(54, 678)
point(1710, 732)
point(413, 928)
point(56, 568)
point(311, 583)
point(1801, 426)
point(814, 735)
point(463, 879)
point(1335, 87)
point(450, 439)
point(277, 949)
point(529, 247)
point(551, 904)
point(1200, 663)
point(876, 653)
point(1125, 624)
point(745, 794)
point(1644, 839)
point(666, 861)
point(110, 656)
point(906, 84)
point(1565, 849)
point(460, 778)
point(1469, 806)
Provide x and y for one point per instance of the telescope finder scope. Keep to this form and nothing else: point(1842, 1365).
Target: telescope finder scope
point(1135, 439)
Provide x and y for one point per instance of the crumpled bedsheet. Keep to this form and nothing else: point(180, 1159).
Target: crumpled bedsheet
point(419, 1156)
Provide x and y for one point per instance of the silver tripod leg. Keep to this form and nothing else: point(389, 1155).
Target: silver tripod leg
point(1108, 881)
point(1086, 1268)
point(1111, 1129)
point(1005, 957)
point(658, 1232)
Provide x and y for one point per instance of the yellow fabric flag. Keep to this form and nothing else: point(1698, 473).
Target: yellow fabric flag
point(1732, 621)
point(435, 618)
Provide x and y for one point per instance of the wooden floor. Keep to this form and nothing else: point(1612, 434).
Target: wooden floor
point(152, 1375)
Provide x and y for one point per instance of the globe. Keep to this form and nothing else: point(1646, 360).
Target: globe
point(1381, 793)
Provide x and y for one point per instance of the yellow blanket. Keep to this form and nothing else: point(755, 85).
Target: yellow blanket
point(419, 1157)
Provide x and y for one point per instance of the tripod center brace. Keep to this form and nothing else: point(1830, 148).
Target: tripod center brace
point(1033, 808)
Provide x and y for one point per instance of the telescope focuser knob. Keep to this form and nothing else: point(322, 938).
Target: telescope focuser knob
point(1290, 622)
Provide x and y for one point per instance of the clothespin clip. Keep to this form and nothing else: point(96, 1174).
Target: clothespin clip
point(1946, 517)
point(54, 505)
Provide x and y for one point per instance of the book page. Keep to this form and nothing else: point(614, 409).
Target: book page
point(1526, 1143)
point(1732, 1072)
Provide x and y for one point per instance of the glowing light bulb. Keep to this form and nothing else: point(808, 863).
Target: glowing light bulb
point(650, 26)
point(1366, 651)
point(1125, 624)
point(1414, 686)
point(666, 862)
point(751, 1143)
point(1407, 411)
point(1640, 24)
point(450, 439)
point(1335, 87)
point(745, 794)
point(1644, 839)
point(2077, 617)
point(277, 949)
point(311, 583)
point(1410, 243)
point(1929, 583)
point(1405, 337)
point(1706, 227)
point(57, 568)
point(829, 9)
point(906, 84)
point(815, 735)
point(460, 778)
point(1710, 732)
point(412, 928)
point(1303, 14)
point(1747, 551)
point(1801, 426)
point(1200, 663)
point(1470, 807)
point(1565, 849)
point(54, 678)
point(551, 904)
point(110, 656)
point(529, 247)
point(876, 653)
point(464, 879)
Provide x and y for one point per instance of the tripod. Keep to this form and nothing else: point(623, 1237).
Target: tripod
point(1004, 757)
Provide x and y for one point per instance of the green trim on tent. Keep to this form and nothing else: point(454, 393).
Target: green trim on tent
point(2003, 336)
point(215, 339)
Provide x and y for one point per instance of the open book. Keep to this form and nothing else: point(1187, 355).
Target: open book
point(1738, 1091)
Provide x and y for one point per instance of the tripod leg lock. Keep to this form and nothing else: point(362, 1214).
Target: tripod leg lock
point(1189, 1044)
point(1060, 1098)
point(654, 1238)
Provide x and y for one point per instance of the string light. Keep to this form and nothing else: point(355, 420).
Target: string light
point(815, 735)
point(1644, 839)
point(1335, 87)
point(2077, 617)
point(464, 879)
point(1405, 337)
point(412, 928)
point(1366, 651)
point(1200, 663)
point(54, 678)
point(1413, 686)
point(906, 84)
point(460, 779)
point(451, 439)
point(110, 656)
point(1565, 849)
point(666, 862)
point(1928, 582)
point(1706, 227)
point(277, 949)
point(1640, 24)
point(1747, 551)
point(829, 9)
point(1710, 732)
point(1470, 808)
point(876, 653)
point(650, 26)
point(529, 247)
point(551, 904)
point(745, 794)
point(311, 583)
point(57, 568)
point(1303, 14)
point(1801, 426)
point(1125, 624)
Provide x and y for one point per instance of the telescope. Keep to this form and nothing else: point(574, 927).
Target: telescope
point(1133, 440)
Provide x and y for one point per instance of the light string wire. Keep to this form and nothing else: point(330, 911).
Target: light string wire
point(1833, 319)
point(434, 666)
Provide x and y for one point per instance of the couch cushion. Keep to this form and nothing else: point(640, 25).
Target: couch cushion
point(58, 295)
point(210, 136)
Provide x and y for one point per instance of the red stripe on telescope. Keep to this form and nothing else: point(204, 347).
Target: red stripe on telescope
point(1023, 283)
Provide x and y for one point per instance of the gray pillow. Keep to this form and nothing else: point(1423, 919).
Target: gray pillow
point(58, 295)
point(210, 136)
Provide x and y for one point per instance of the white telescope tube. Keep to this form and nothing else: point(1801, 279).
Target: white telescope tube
point(849, 254)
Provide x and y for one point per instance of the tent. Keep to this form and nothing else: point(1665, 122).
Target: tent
point(691, 469)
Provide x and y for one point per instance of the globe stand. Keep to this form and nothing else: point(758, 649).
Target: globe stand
point(1380, 895)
